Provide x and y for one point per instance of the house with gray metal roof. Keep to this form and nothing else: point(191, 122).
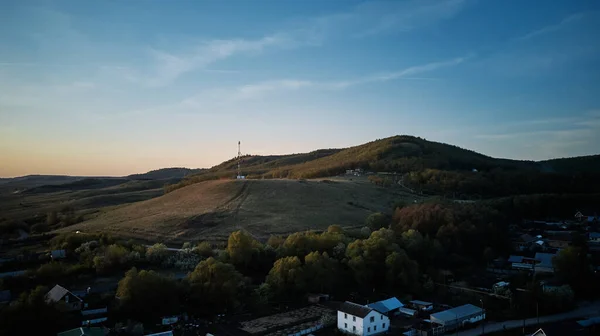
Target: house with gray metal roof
point(59, 294)
point(389, 306)
point(458, 316)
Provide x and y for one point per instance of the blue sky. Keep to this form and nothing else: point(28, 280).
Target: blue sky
point(117, 87)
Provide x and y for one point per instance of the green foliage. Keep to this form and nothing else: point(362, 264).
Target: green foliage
point(321, 272)
point(30, 314)
point(242, 248)
point(204, 249)
point(215, 287)
point(335, 229)
point(275, 242)
point(146, 295)
point(71, 241)
point(377, 221)
point(286, 278)
point(573, 266)
point(157, 253)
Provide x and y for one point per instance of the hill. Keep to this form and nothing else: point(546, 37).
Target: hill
point(212, 209)
point(165, 174)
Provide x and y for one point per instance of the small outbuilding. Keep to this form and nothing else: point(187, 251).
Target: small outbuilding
point(459, 316)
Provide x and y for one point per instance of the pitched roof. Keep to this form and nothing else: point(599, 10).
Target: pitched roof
point(421, 303)
point(515, 259)
point(83, 331)
point(57, 293)
point(526, 238)
point(457, 313)
point(545, 259)
point(354, 309)
point(386, 305)
point(540, 332)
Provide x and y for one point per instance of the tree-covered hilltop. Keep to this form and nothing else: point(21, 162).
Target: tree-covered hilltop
point(433, 166)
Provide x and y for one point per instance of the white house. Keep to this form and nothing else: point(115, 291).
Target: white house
point(361, 320)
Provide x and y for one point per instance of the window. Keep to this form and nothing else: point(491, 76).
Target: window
point(346, 325)
point(383, 326)
point(375, 328)
point(369, 329)
point(372, 318)
point(353, 328)
point(346, 316)
point(354, 318)
point(382, 317)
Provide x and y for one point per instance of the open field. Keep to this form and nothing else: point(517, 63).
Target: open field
point(211, 210)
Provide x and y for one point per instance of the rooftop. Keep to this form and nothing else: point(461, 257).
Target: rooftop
point(421, 303)
point(84, 331)
point(386, 305)
point(545, 259)
point(355, 309)
point(457, 313)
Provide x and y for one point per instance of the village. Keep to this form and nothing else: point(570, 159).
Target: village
point(534, 245)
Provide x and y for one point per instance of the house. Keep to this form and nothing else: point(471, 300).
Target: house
point(540, 332)
point(541, 263)
point(388, 307)
point(544, 264)
point(94, 316)
point(499, 286)
point(559, 240)
point(523, 242)
point(61, 294)
point(521, 263)
point(83, 331)
point(318, 298)
point(594, 237)
point(407, 312)
point(458, 317)
point(361, 320)
point(5, 296)
point(422, 305)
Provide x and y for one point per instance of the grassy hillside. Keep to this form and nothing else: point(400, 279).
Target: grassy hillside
point(164, 174)
point(213, 209)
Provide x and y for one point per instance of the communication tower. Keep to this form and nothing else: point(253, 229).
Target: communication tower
point(239, 162)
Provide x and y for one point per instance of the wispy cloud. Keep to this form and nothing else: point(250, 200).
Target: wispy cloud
point(258, 89)
point(405, 15)
point(552, 28)
point(169, 66)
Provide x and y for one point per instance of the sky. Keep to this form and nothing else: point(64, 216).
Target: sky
point(119, 87)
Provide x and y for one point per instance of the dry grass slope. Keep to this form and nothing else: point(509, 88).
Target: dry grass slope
point(211, 210)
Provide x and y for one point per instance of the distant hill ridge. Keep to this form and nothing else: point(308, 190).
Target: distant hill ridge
point(402, 153)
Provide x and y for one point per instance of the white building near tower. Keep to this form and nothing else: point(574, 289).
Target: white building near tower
point(361, 320)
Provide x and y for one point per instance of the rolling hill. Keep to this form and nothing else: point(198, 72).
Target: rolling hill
point(211, 210)
point(400, 154)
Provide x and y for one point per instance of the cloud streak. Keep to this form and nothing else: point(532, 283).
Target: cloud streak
point(256, 90)
point(552, 28)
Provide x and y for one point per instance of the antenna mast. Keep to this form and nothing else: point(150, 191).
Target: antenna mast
point(239, 170)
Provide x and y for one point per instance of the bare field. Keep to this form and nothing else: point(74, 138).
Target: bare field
point(211, 210)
